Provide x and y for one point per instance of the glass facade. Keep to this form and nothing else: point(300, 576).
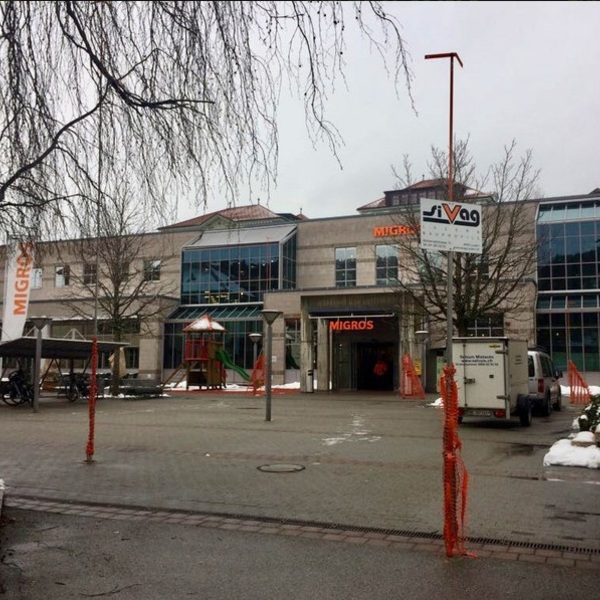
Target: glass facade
point(229, 282)
point(237, 274)
point(236, 343)
point(568, 324)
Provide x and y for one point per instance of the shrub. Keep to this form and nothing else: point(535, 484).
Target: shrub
point(590, 417)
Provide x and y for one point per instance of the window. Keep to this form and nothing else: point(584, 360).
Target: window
point(345, 267)
point(386, 267)
point(62, 276)
point(477, 267)
point(89, 273)
point(122, 270)
point(152, 270)
point(486, 326)
point(36, 278)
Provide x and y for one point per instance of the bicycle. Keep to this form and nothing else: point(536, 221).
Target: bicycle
point(78, 387)
point(17, 390)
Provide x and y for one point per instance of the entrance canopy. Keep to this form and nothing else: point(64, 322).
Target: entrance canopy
point(55, 347)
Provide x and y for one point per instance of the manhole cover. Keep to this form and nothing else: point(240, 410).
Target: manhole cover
point(281, 468)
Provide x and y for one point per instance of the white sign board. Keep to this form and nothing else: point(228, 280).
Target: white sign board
point(450, 226)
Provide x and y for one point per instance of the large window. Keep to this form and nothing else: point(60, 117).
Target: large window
point(152, 270)
point(89, 274)
point(237, 274)
point(237, 343)
point(386, 265)
point(487, 326)
point(345, 267)
point(567, 316)
point(36, 278)
point(62, 276)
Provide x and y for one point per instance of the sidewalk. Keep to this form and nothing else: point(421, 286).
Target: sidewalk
point(361, 464)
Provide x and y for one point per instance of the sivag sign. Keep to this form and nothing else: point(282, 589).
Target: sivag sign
point(450, 226)
point(351, 325)
point(452, 215)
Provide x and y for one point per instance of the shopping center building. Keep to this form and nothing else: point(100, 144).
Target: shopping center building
point(333, 282)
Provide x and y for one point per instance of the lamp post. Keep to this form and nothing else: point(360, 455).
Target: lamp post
point(269, 316)
point(39, 323)
point(255, 338)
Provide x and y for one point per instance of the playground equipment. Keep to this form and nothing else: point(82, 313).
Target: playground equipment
point(205, 359)
point(200, 366)
point(223, 356)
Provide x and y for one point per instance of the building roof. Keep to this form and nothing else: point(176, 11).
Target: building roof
point(242, 236)
point(235, 214)
point(425, 184)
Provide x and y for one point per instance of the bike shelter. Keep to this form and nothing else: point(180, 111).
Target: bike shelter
point(55, 349)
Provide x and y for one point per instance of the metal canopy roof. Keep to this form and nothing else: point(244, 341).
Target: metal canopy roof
point(55, 347)
point(244, 312)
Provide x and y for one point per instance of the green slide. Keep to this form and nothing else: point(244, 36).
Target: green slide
point(224, 357)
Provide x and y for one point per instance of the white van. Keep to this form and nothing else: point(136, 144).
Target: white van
point(544, 387)
point(491, 378)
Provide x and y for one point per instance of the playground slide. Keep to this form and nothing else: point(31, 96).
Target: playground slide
point(224, 357)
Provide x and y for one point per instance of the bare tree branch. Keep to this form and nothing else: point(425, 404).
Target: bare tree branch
point(190, 93)
point(483, 285)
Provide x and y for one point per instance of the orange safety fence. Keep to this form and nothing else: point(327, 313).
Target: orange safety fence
point(257, 377)
point(410, 386)
point(580, 390)
point(89, 450)
point(455, 474)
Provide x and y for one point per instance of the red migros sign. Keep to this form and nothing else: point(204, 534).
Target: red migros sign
point(351, 325)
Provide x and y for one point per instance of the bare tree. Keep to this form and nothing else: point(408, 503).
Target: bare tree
point(117, 283)
point(188, 91)
point(490, 284)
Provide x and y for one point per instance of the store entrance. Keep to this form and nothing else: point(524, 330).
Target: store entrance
point(374, 366)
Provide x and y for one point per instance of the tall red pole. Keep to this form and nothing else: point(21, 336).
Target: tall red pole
point(451, 56)
point(451, 442)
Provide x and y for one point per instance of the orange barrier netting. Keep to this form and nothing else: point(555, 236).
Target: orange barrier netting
point(455, 474)
point(580, 391)
point(89, 451)
point(410, 386)
point(257, 378)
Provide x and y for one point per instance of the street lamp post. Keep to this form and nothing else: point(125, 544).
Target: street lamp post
point(269, 316)
point(39, 323)
point(255, 338)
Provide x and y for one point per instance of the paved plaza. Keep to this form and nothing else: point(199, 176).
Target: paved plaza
point(370, 461)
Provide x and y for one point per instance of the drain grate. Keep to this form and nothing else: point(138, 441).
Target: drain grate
point(280, 468)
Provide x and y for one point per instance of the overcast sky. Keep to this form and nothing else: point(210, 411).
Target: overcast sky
point(531, 74)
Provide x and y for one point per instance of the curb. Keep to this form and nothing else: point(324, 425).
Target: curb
point(578, 558)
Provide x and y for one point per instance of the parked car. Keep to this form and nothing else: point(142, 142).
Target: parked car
point(544, 387)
